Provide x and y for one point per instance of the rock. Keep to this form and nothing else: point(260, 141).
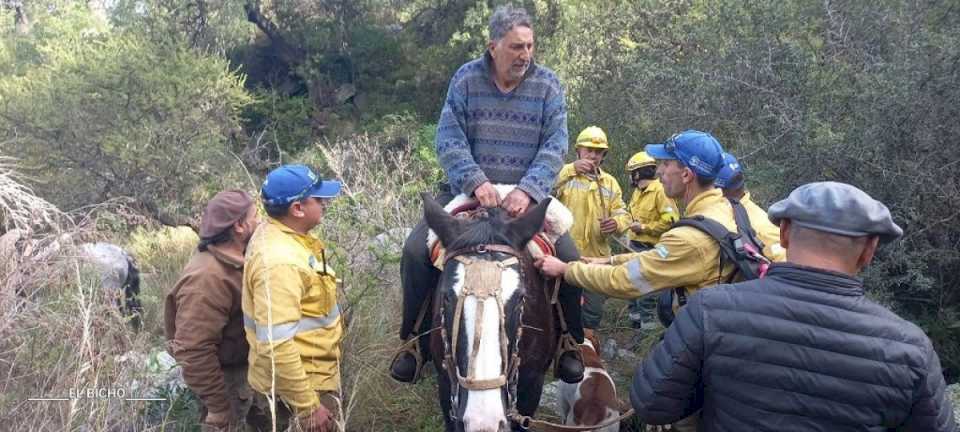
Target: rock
point(608, 352)
point(159, 373)
point(627, 356)
point(953, 392)
point(548, 398)
point(345, 92)
point(390, 240)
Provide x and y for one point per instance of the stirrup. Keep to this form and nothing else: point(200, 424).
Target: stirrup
point(410, 346)
point(567, 345)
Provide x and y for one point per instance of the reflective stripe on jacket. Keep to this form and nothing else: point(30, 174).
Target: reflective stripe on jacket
point(651, 207)
point(581, 195)
point(684, 257)
point(291, 316)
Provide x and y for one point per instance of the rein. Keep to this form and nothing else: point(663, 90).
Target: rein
point(482, 281)
point(529, 423)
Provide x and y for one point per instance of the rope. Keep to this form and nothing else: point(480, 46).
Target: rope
point(530, 423)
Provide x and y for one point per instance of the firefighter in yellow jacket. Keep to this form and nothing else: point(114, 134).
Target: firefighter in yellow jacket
point(685, 259)
point(732, 180)
point(653, 214)
point(652, 210)
point(290, 310)
point(596, 201)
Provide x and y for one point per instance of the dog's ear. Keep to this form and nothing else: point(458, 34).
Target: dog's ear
point(447, 227)
point(523, 228)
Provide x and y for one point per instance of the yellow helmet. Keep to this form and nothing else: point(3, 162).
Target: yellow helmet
point(592, 137)
point(639, 160)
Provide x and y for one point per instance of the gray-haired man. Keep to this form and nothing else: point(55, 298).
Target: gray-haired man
point(504, 121)
point(801, 349)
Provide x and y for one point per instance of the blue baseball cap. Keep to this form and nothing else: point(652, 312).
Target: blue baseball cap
point(728, 171)
point(699, 151)
point(290, 183)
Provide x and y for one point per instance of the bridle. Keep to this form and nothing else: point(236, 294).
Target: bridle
point(482, 281)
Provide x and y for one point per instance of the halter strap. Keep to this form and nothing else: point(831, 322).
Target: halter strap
point(482, 280)
point(480, 249)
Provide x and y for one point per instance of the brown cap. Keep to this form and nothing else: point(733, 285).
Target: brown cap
point(224, 210)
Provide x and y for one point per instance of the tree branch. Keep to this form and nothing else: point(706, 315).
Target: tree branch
point(288, 52)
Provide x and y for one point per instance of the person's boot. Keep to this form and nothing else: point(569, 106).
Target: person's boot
point(569, 363)
point(407, 363)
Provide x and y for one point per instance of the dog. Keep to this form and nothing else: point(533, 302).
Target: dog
point(593, 400)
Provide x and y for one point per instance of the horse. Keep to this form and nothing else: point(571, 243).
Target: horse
point(496, 335)
point(118, 275)
point(22, 254)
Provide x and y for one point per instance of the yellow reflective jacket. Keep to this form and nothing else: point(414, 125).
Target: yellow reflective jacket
point(580, 194)
point(768, 233)
point(652, 208)
point(685, 257)
point(291, 316)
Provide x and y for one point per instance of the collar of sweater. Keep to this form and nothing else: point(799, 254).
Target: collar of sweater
point(818, 279)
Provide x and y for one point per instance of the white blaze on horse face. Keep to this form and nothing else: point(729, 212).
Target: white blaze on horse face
point(484, 411)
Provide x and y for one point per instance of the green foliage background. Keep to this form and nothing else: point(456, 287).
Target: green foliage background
point(160, 103)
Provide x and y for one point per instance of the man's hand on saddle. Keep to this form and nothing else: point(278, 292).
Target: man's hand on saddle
point(608, 226)
point(584, 166)
point(551, 266)
point(516, 202)
point(487, 195)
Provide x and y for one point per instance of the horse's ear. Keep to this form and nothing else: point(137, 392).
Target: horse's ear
point(523, 228)
point(447, 227)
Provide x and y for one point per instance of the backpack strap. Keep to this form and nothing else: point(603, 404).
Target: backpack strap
point(742, 218)
point(729, 242)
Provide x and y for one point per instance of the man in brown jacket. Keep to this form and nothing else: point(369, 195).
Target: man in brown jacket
point(203, 317)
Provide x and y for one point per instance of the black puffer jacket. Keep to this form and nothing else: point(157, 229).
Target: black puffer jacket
point(799, 350)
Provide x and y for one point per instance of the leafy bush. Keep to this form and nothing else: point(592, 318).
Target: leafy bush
point(102, 114)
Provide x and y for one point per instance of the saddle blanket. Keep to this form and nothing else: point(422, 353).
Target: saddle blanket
point(557, 222)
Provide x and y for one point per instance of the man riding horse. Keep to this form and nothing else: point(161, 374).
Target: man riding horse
point(504, 121)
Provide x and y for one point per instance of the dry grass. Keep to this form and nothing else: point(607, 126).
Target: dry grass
point(65, 337)
point(20, 208)
point(61, 337)
point(366, 227)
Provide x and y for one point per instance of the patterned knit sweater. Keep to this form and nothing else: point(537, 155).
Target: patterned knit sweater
point(518, 137)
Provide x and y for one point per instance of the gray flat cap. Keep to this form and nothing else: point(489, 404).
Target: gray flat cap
point(836, 208)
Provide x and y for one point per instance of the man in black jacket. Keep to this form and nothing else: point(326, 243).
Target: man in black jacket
point(801, 349)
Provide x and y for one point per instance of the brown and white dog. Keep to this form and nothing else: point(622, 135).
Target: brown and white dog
point(593, 400)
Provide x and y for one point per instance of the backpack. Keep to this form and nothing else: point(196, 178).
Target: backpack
point(743, 248)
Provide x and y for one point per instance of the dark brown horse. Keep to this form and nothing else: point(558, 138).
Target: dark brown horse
point(496, 336)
